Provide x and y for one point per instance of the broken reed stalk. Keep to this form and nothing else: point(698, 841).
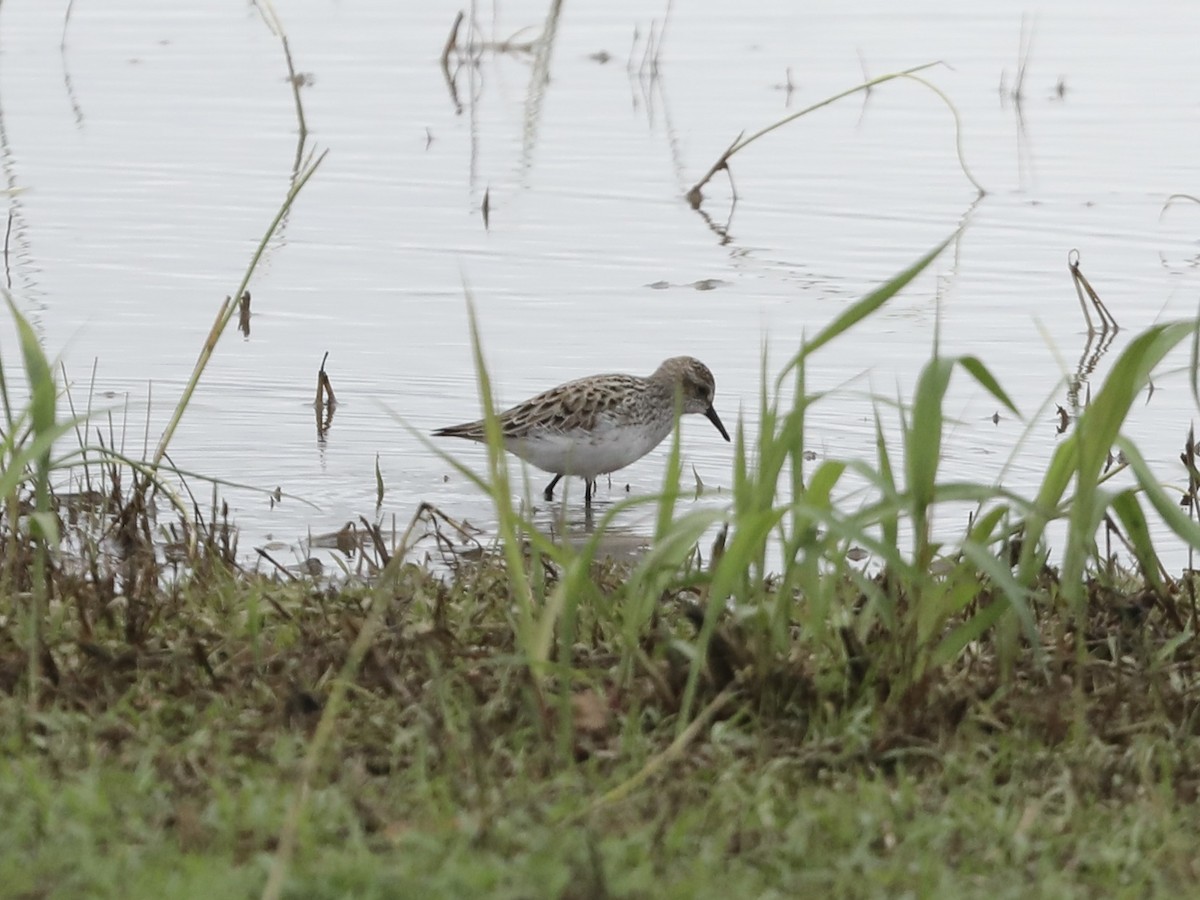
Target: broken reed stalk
point(244, 314)
point(379, 489)
point(1082, 286)
point(325, 397)
point(695, 195)
point(225, 313)
point(325, 401)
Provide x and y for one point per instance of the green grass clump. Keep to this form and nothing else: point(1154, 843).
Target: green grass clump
point(169, 772)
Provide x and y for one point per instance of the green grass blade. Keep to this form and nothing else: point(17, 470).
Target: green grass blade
point(923, 450)
point(863, 308)
point(1129, 513)
point(988, 381)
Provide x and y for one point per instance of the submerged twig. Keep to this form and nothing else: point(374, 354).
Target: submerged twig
point(244, 314)
point(326, 402)
point(325, 395)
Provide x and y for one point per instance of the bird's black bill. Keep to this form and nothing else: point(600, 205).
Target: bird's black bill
point(711, 415)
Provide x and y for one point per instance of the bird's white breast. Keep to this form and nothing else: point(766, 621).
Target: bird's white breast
point(607, 447)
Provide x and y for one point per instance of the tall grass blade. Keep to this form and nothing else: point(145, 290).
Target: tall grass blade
point(43, 397)
point(508, 525)
point(863, 308)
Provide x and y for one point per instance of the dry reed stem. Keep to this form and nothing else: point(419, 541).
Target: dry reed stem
point(244, 314)
point(695, 195)
point(325, 398)
point(1082, 286)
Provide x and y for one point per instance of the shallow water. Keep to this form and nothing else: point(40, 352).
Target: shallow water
point(147, 156)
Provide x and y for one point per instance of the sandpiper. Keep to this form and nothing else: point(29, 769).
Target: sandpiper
point(596, 425)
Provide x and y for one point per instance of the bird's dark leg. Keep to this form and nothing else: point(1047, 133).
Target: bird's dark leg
point(548, 493)
point(587, 491)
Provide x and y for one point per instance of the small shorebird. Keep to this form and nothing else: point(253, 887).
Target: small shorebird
point(596, 425)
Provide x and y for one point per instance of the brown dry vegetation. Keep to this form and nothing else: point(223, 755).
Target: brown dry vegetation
point(195, 692)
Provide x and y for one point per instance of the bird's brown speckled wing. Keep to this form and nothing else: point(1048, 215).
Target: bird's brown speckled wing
point(574, 405)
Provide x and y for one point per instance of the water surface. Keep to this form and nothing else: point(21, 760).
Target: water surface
point(148, 149)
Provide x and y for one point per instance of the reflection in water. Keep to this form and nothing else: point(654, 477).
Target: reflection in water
point(868, 93)
point(295, 81)
point(720, 230)
point(1094, 348)
point(788, 87)
point(622, 543)
point(17, 231)
point(1017, 95)
point(7, 237)
point(434, 537)
point(451, 82)
point(535, 94)
point(62, 52)
point(1192, 262)
point(468, 54)
point(1102, 337)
